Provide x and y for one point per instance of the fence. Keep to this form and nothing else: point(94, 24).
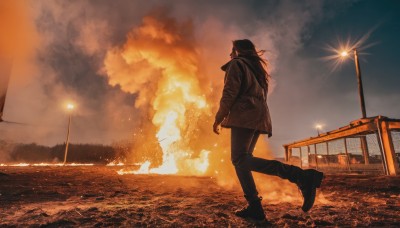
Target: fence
point(370, 145)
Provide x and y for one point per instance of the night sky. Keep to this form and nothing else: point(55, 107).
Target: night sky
point(72, 39)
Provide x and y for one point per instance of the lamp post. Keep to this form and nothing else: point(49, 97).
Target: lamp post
point(70, 107)
point(364, 145)
point(344, 54)
point(360, 86)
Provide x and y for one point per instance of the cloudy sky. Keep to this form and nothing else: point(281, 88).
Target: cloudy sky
point(86, 52)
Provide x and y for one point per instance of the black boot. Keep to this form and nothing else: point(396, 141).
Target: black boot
point(253, 211)
point(308, 183)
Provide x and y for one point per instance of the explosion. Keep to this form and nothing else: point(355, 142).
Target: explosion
point(159, 63)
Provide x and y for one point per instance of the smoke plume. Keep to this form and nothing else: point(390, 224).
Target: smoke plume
point(147, 72)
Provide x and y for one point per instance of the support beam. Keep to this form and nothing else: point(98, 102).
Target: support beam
point(301, 159)
point(286, 153)
point(347, 154)
point(388, 149)
point(327, 153)
point(364, 149)
point(384, 166)
point(316, 156)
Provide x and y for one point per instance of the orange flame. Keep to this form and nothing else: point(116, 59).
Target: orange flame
point(159, 64)
point(47, 164)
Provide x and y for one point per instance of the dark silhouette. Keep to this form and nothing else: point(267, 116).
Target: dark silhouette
point(79, 153)
point(243, 108)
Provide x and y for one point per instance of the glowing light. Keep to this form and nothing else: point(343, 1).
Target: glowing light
point(318, 126)
point(143, 169)
point(47, 164)
point(201, 164)
point(20, 164)
point(177, 100)
point(70, 106)
point(340, 52)
point(114, 163)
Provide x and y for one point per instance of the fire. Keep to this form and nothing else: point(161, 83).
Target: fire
point(21, 164)
point(114, 163)
point(47, 164)
point(159, 63)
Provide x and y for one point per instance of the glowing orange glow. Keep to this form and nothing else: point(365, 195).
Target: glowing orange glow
point(164, 63)
point(70, 106)
point(344, 53)
point(20, 164)
point(47, 164)
point(115, 164)
point(15, 21)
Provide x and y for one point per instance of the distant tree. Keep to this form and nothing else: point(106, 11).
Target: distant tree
point(6, 147)
point(85, 153)
point(30, 153)
point(78, 153)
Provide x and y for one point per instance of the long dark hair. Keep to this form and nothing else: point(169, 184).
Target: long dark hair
point(245, 48)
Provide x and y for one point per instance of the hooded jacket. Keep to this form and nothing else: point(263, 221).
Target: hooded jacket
point(244, 101)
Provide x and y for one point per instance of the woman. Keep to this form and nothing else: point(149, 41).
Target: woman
point(243, 108)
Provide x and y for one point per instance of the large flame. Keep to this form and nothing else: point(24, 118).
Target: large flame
point(159, 62)
point(47, 164)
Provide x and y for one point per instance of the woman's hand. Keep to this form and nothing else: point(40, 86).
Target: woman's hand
point(216, 128)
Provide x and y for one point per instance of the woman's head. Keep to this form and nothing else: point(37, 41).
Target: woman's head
point(245, 48)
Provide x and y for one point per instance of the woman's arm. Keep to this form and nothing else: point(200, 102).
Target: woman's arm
point(233, 80)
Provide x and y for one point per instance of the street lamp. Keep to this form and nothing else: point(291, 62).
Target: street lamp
point(359, 80)
point(70, 107)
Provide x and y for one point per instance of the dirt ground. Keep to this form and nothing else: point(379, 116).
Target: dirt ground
point(97, 196)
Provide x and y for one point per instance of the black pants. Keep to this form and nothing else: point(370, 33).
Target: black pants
point(243, 141)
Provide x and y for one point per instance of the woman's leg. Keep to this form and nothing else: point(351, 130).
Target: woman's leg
point(242, 145)
point(244, 162)
point(243, 142)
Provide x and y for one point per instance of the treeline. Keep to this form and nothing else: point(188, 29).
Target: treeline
point(78, 153)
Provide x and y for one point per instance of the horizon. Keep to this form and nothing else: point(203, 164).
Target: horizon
point(75, 51)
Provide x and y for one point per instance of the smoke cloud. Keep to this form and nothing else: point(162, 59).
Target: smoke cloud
point(115, 59)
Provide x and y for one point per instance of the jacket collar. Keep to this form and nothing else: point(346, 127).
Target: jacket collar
point(226, 65)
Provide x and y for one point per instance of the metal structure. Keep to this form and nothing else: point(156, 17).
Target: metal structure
point(343, 150)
